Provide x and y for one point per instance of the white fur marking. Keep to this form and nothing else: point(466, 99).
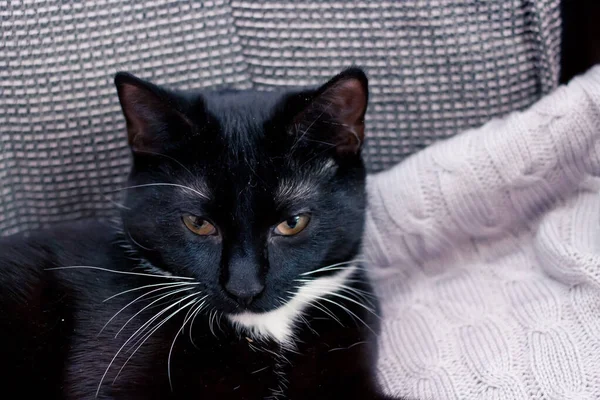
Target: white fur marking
point(294, 191)
point(300, 189)
point(279, 323)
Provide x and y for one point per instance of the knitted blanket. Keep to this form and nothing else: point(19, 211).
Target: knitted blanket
point(485, 251)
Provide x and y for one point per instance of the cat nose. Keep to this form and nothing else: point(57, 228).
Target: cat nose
point(244, 292)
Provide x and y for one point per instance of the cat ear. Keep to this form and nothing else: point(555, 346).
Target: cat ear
point(150, 112)
point(337, 111)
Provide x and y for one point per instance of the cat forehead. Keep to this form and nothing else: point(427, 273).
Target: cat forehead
point(239, 109)
point(295, 186)
point(305, 185)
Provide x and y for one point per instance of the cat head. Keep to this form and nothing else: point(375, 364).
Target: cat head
point(249, 193)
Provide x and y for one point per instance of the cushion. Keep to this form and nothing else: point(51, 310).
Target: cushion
point(436, 67)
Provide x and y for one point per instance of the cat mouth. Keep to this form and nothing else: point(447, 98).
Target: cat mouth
point(279, 323)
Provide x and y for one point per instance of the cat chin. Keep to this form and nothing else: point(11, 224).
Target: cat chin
point(279, 323)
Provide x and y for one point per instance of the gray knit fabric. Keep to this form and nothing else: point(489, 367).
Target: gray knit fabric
point(436, 66)
point(488, 265)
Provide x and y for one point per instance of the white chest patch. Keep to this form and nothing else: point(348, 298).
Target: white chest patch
point(279, 324)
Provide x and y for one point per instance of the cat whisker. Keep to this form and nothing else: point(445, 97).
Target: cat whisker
point(277, 355)
point(202, 195)
point(144, 338)
point(259, 370)
point(120, 272)
point(198, 310)
point(153, 302)
point(169, 157)
point(173, 285)
point(315, 156)
point(136, 243)
point(334, 293)
point(365, 297)
point(336, 268)
point(218, 317)
point(147, 325)
point(308, 325)
point(189, 312)
point(167, 284)
point(314, 303)
point(281, 301)
point(253, 347)
point(321, 142)
point(357, 303)
point(331, 267)
point(326, 311)
point(116, 203)
point(359, 294)
point(136, 332)
point(362, 292)
point(161, 302)
point(185, 321)
point(332, 287)
point(349, 313)
point(210, 322)
point(307, 129)
point(349, 347)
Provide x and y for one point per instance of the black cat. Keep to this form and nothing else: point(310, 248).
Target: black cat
point(233, 272)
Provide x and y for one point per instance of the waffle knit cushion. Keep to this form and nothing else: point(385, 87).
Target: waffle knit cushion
point(485, 250)
point(436, 67)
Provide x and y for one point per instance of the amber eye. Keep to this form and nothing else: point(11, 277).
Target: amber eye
point(198, 225)
point(293, 225)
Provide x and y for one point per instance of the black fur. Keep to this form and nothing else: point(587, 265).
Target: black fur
point(236, 148)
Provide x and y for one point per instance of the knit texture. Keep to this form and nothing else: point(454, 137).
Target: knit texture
point(485, 251)
point(436, 68)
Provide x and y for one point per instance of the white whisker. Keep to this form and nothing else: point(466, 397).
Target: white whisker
point(168, 284)
point(359, 293)
point(350, 313)
point(349, 347)
point(119, 272)
point(171, 293)
point(357, 303)
point(146, 327)
point(170, 158)
point(332, 267)
point(333, 293)
point(320, 307)
point(218, 317)
point(202, 195)
point(147, 336)
point(210, 322)
point(116, 203)
point(299, 139)
point(136, 242)
point(194, 319)
point(359, 296)
point(301, 317)
point(137, 299)
point(134, 334)
point(189, 311)
point(259, 370)
point(185, 321)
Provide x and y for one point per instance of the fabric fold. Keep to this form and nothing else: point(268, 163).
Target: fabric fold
point(485, 252)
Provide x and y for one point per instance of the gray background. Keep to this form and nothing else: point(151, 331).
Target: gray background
point(436, 67)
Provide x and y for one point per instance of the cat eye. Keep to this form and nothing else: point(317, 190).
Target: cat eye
point(292, 225)
point(198, 225)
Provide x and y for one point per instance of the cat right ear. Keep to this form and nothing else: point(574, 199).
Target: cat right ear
point(150, 112)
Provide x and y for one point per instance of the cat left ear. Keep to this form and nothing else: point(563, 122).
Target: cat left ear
point(341, 104)
point(150, 113)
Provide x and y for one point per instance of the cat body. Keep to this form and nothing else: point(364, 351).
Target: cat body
point(233, 271)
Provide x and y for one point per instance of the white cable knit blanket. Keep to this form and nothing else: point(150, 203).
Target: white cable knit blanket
point(485, 252)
